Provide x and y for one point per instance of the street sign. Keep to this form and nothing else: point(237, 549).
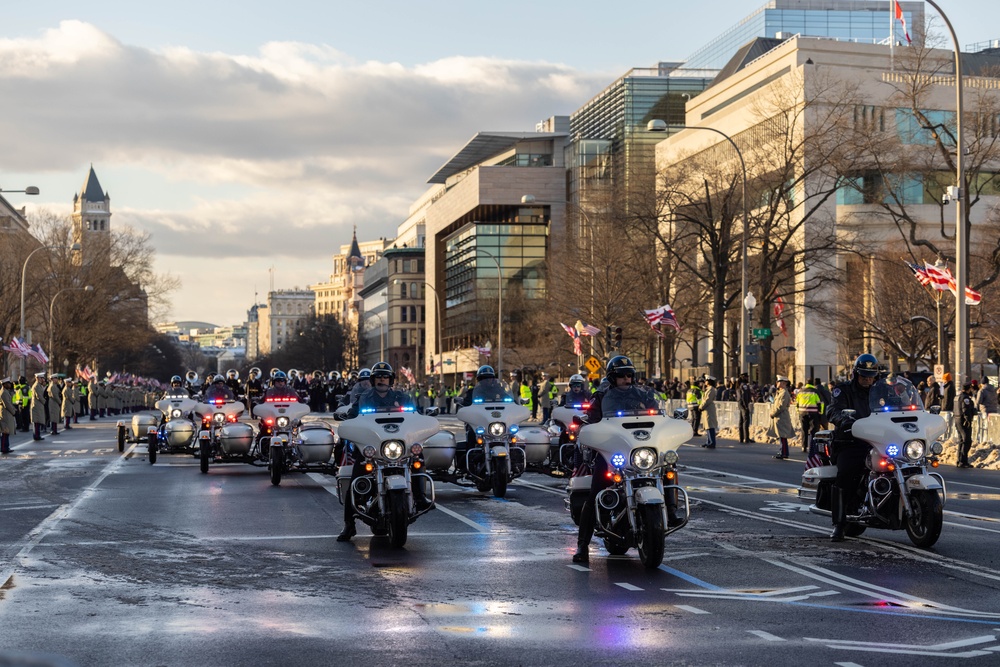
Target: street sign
point(939, 372)
point(761, 334)
point(592, 364)
point(753, 353)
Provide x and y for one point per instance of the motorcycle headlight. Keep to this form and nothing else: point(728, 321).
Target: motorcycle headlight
point(282, 422)
point(219, 418)
point(368, 452)
point(175, 413)
point(670, 458)
point(392, 449)
point(914, 450)
point(497, 429)
point(644, 458)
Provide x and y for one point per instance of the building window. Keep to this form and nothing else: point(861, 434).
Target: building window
point(413, 314)
point(413, 291)
point(402, 290)
point(402, 314)
point(402, 337)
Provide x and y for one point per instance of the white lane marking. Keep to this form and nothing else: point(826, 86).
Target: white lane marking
point(974, 517)
point(875, 592)
point(50, 522)
point(847, 664)
point(467, 521)
point(578, 568)
point(936, 650)
point(540, 487)
point(746, 477)
point(913, 552)
point(331, 486)
point(684, 556)
point(25, 507)
point(766, 636)
point(693, 610)
point(628, 587)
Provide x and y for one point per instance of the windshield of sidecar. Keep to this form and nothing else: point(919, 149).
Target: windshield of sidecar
point(629, 401)
point(894, 394)
point(490, 390)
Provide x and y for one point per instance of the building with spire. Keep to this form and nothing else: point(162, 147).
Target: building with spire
point(340, 295)
point(92, 221)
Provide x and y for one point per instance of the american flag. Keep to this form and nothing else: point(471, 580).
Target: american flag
point(575, 335)
point(407, 373)
point(590, 330)
point(815, 459)
point(779, 308)
point(920, 274)
point(18, 347)
point(662, 315)
point(37, 353)
point(942, 279)
point(485, 350)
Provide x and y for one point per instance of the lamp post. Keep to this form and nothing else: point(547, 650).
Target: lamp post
point(749, 303)
point(52, 328)
point(30, 190)
point(24, 273)
point(499, 368)
point(440, 342)
point(657, 125)
point(787, 348)
point(958, 193)
point(381, 335)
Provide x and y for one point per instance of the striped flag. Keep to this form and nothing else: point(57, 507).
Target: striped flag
point(920, 274)
point(942, 279)
point(662, 315)
point(779, 308)
point(899, 17)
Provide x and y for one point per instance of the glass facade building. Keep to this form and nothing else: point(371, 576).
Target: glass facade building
point(517, 241)
point(846, 20)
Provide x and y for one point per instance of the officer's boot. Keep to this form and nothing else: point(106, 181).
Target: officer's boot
point(38, 432)
point(4, 443)
point(586, 533)
point(349, 529)
point(839, 515)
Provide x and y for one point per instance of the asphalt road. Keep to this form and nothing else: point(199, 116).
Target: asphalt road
point(108, 560)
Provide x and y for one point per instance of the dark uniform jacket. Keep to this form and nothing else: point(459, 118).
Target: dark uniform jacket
point(847, 396)
point(371, 399)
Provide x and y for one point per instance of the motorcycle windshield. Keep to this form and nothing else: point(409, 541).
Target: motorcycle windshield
point(894, 394)
point(490, 391)
point(629, 402)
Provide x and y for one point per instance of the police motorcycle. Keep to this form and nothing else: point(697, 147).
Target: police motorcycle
point(177, 432)
point(136, 430)
point(494, 456)
point(900, 490)
point(565, 430)
point(388, 443)
point(288, 444)
point(223, 437)
point(640, 444)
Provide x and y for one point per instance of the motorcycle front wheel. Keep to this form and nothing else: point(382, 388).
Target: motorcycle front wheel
point(121, 438)
point(277, 465)
point(399, 519)
point(499, 480)
point(152, 449)
point(926, 518)
point(651, 535)
point(206, 453)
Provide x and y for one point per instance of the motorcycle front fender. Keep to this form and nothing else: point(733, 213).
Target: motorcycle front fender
point(648, 495)
point(923, 482)
point(498, 451)
point(395, 483)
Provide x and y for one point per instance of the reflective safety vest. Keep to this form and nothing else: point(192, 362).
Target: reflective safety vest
point(693, 396)
point(808, 400)
point(526, 395)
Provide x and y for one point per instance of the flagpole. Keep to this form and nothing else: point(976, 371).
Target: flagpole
point(892, 35)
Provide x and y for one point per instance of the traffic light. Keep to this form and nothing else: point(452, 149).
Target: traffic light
point(607, 339)
point(618, 338)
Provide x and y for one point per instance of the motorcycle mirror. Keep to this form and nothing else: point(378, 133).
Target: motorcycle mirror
point(847, 413)
point(935, 410)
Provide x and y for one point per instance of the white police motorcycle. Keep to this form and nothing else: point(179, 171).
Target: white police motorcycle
point(177, 432)
point(290, 445)
point(388, 444)
point(223, 437)
point(640, 444)
point(494, 457)
point(900, 491)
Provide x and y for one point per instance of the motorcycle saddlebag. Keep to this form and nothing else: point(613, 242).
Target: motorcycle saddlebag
point(535, 441)
point(316, 444)
point(236, 439)
point(439, 451)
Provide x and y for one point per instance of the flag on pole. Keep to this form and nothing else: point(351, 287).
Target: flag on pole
point(942, 279)
point(575, 335)
point(662, 315)
point(590, 330)
point(919, 273)
point(484, 350)
point(407, 373)
point(899, 17)
point(779, 308)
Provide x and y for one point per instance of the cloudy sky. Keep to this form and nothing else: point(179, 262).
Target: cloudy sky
point(250, 135)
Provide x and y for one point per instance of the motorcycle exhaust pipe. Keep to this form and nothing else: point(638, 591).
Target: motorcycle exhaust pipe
point(881, 486)
point(608, 499)
point(362, 486)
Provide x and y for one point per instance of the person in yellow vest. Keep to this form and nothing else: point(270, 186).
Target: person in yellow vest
point(22, 399)
point(694, 404)
point(811, 408)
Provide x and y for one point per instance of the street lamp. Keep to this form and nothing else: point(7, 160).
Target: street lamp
point(381, 335)
point(787, 348)
point(30, 190)
point(440, 341)
point(52, 304)
point(499, 368)
point(958, 193)
point(749, 303)
point(24, 272)
point(657, 125)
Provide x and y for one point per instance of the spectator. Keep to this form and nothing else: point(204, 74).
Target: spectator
point(986, 399)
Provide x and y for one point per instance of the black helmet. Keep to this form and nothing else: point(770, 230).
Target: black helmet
point(218, 378)
point(485, 373)
point(383, 370)
point(278, 376)
point(365, 374)
point(866, 365)
point(620, 366)
point(176, 380)
point(577, 380)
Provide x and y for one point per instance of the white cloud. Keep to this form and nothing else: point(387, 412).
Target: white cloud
point(311, 140)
